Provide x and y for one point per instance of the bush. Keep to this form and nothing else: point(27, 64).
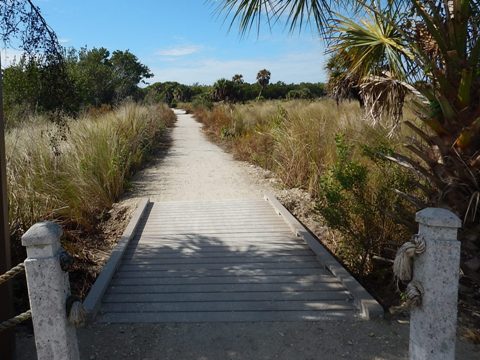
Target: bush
point(303, 93)
point(359, 203)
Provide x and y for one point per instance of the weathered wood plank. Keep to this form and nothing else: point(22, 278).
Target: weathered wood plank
point(222, 288)
point(208, 280)
point(213, 266)
point(227, 249)
point(241, 259)
point(187, 306)
point(224, 316)
point(253, 232)
point(213, 253)
point(219, 273)
point(279, 239)
point(238, 296)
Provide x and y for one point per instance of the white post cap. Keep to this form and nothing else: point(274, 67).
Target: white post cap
point(438, 217)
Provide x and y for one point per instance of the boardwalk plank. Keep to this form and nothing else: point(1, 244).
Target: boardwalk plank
point(219, 266)
point(242, 259)
point(240, 316)
point(208, 280)
point(213, 253)
point(222, 288)
point(187, 306)
point(239, 296)
point(221, 261)
point(221, 273)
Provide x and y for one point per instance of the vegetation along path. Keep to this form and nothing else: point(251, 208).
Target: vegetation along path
point(216, 274)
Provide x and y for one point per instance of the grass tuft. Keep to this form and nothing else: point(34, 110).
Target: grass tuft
point(72, 171)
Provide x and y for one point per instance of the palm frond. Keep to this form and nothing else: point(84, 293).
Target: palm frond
point(384, 98)
point(373, 44)
point(294, 13)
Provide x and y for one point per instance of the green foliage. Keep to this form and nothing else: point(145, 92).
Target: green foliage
point(30, 85)
point(128, 73)
point(225, 90)
point(87, 78)
point(173, 91)
point(263, 79)
point(202, 101)
point(360, 203)
point(303, 93)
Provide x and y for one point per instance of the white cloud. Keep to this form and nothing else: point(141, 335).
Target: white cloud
point(291, 67)
point(179, 50)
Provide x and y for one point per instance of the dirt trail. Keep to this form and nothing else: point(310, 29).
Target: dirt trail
point(195, 169)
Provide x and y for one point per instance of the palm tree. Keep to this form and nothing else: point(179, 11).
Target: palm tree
point(238, 79)
point(263, 79)
point(441, 53)
point(223, 90)
point(342, 84)
point(374, 54)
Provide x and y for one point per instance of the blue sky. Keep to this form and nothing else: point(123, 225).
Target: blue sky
point(184, 40)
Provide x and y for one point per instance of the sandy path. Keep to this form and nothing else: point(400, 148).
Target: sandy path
point(194, 169)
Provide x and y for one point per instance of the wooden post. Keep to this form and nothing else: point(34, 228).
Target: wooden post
point(7, 339)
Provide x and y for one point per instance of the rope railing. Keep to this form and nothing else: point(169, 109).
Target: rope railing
point(14, 321)
point(10, 274)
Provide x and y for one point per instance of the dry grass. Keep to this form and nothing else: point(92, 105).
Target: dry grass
point(73, 171)
point(296, 140)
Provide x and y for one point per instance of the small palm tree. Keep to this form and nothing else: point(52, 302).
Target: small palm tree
point(342, 84)
point(263, 79)
point(223, 90)
point(238, 79)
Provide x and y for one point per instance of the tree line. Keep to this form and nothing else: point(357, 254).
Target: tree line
point(90, 78)
point(85, 78)
point(232, 90)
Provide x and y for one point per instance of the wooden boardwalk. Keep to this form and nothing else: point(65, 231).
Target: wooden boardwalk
point(220, 261)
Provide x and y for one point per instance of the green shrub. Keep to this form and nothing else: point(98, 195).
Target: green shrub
point(202, 101)
point(358, 200)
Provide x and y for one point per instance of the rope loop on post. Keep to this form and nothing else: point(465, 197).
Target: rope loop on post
point(414, 294)
point(402, 266)
point(76, 313)
point(66, 261)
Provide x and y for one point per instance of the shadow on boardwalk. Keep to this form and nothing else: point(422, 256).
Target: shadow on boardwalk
point(221, 266)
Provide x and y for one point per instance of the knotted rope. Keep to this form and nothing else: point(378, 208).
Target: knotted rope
point(20, 268)
point(403, 269)
point(402, 266)
point(15, 320)
point(76, 313)
point(414, 293)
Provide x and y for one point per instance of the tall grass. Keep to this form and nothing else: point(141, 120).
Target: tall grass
point(74, 170)
point(354, 192)
point(295, 139)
